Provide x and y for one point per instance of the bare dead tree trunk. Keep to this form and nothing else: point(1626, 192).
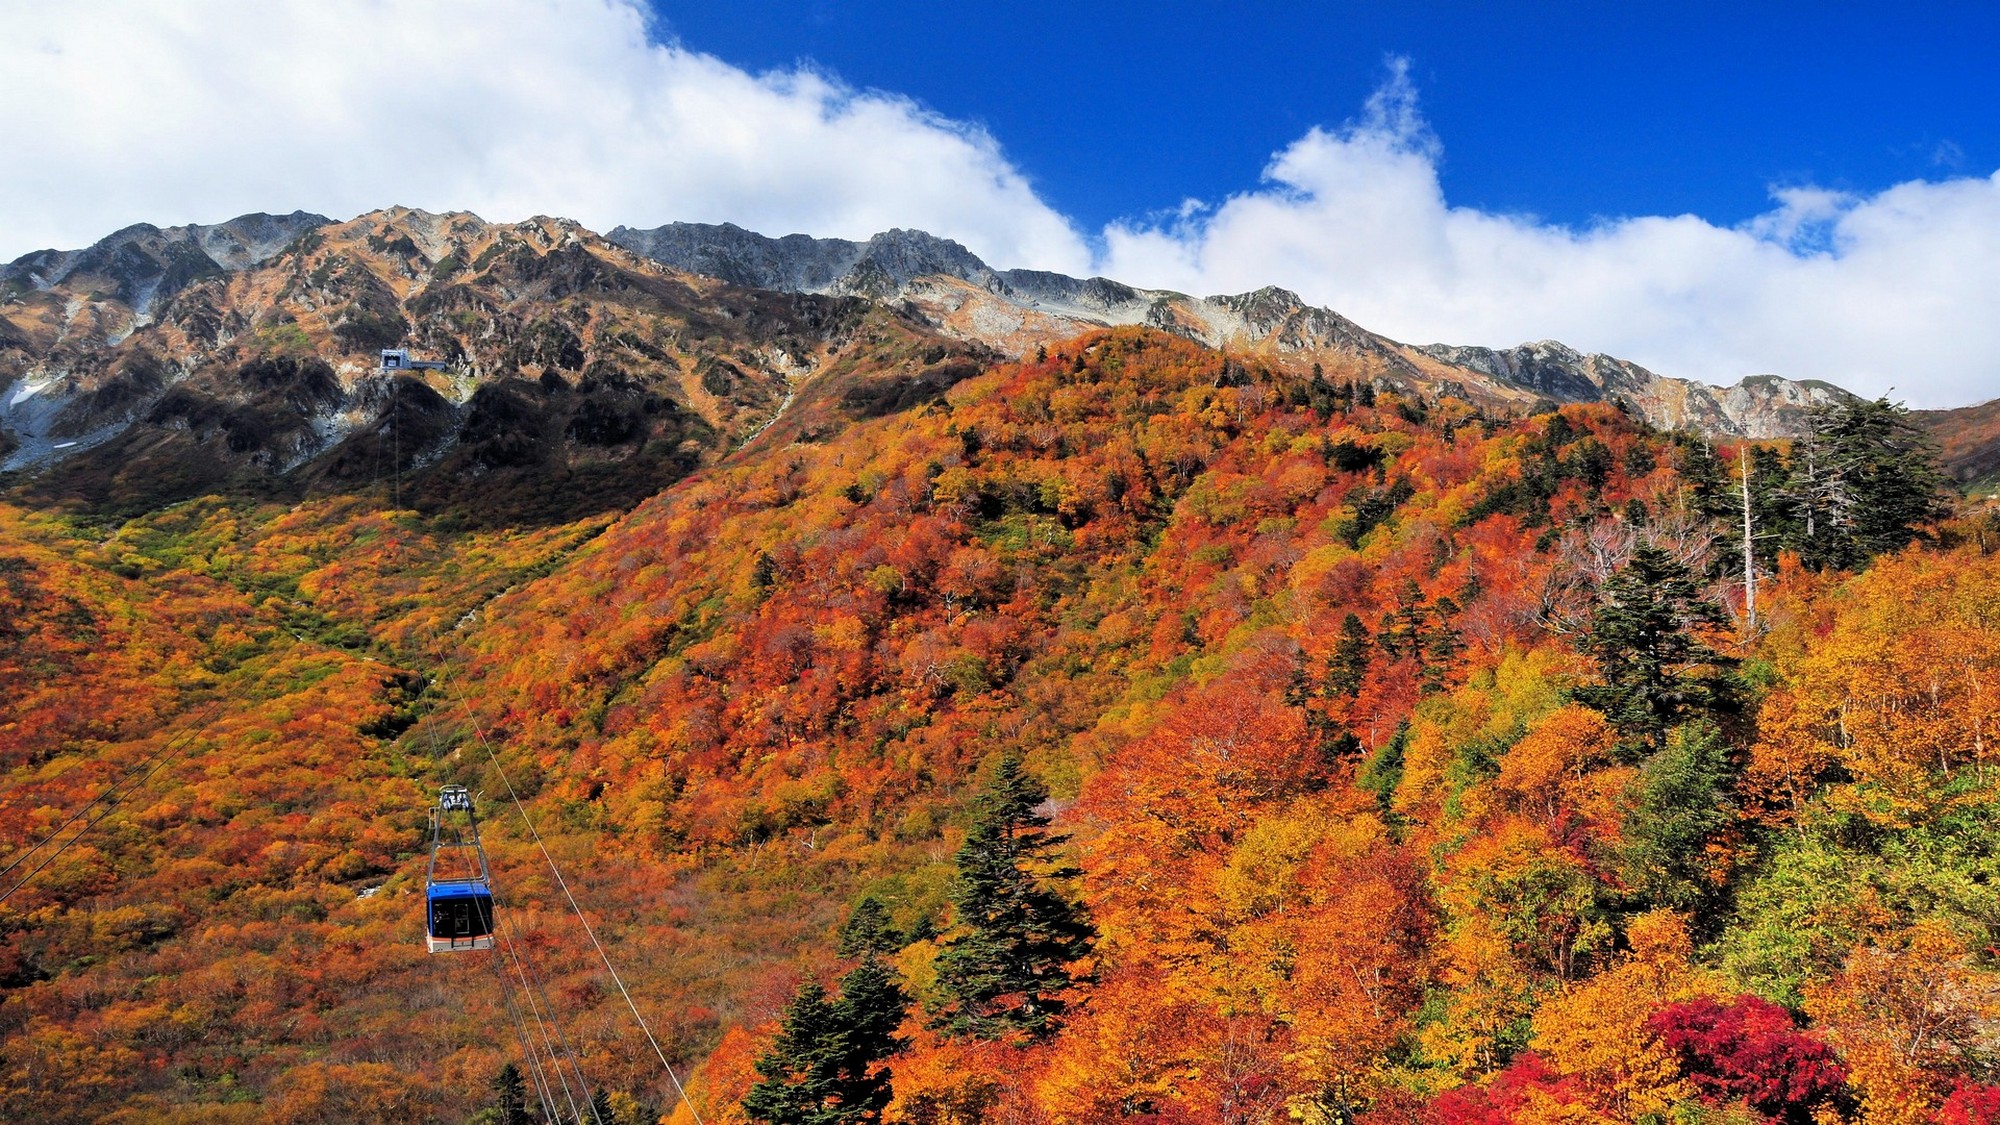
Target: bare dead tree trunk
point(1749, 555)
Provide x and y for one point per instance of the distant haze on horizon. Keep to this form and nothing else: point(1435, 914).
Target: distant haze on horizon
point(592, 109)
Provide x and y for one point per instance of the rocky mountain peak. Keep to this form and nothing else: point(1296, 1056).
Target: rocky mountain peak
point(879, 267)
point(898, 257)
point(143, 265)
point(1018, 310)
point(566, 363)
point(92, 339)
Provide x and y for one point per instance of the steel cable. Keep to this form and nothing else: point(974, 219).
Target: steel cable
point(562, 883)
point(185, 740)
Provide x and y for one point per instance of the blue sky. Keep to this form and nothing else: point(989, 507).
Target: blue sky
point(1712, 191)
point(1564, 110)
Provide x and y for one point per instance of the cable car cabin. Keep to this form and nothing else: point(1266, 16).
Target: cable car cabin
point(461, 916)
point(458, 892)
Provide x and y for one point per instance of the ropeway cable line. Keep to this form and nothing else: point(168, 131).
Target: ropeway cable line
point(461, 909)
point(172, 750)
point(591, 933)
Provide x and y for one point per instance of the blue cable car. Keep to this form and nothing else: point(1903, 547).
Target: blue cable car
point(458, 890)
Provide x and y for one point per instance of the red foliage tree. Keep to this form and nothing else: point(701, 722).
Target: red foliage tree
point(1971, 1104)
point(1750, 1050)
point(1528, 1079)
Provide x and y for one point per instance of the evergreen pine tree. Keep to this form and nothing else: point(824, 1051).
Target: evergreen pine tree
point(1441, 647)
point(1320, 395)
point(1656, 671)
point(510, 1096)
point(1774, 509)
point(868, 930)
point(1349, 663)
point(872, 1005)
point(1017, 936)
point(1640, 459)
point(797, 1072)
point(1864, 479)
point(1707, 478)
point(1402, 629)
point(821, 1069)
point(600, 1112)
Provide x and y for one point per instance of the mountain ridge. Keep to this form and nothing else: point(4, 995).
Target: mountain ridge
point(150, 264)
point(1019, 310)
point(569, 362)
point(69, 383)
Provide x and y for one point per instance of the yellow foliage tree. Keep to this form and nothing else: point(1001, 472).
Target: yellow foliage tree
point(1596, 1031)
point(1905, 1017)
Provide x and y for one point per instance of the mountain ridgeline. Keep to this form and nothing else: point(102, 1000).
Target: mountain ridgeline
point(576, 373)
point(166, 362)
point(1017, 310)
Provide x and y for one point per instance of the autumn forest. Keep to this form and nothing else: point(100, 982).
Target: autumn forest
point(1133, 731)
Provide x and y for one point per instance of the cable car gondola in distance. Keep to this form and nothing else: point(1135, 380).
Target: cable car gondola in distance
point(458, 889)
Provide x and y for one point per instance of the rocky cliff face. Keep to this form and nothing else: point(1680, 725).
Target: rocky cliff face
point(1019, 310)
point(879, 267)
point(144, 265)
point(1759, 406)
point(168, 361)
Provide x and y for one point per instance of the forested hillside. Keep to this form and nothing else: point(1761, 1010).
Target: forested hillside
point(1131, 732)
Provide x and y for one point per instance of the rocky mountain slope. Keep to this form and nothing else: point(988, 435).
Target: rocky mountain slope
point(169, 361)
point(144, 265)
point(1970, 440)
point(1020, 310)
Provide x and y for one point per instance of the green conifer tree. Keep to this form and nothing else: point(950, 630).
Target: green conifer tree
point(1863, 481)
point(1348, 665)
point(868, 930)
point(510, 1096)
point(797, 1073)
point(822, 1068)
point(1656, 672)
point(1442, 647)
point(1775, 511)
point(872, 1006)
point(1706, 477)
point(1319, 395)
point(1004, 968)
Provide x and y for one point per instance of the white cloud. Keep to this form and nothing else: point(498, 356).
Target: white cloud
point(122, 111)
point(1896, 289)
